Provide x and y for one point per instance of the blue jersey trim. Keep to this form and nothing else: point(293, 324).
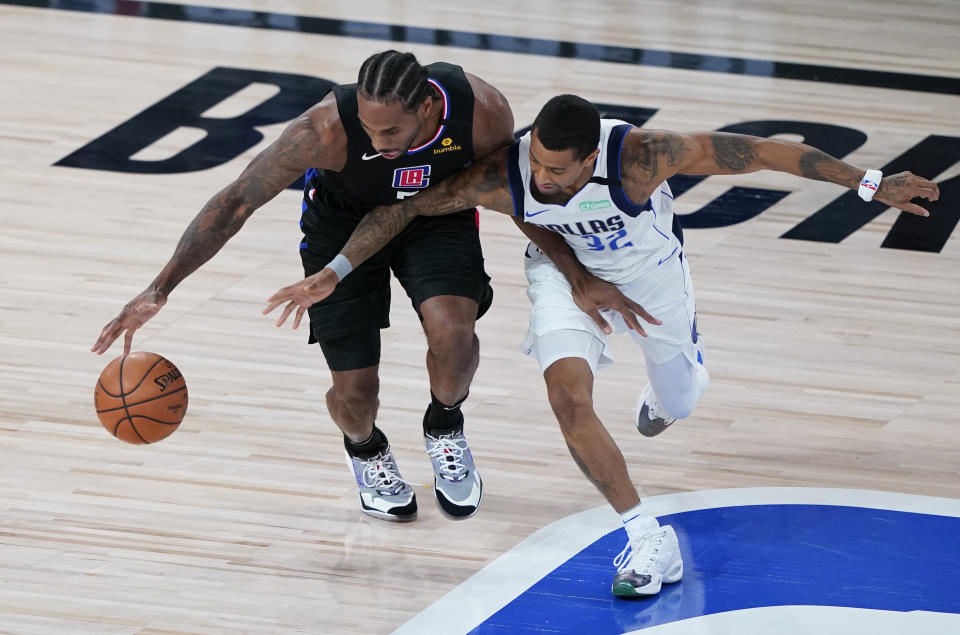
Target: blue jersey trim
point(614, 144)
point(515, 178)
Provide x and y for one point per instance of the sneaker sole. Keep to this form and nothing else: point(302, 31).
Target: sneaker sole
point(627, 590)
point(389, 517)
point(648, 428)
point(395, 518)
point(448, 515)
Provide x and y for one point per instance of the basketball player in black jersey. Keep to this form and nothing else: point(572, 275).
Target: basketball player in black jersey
point(400, 129)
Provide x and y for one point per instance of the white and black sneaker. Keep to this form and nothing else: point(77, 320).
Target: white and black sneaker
point(646, 563)
point(383, 492)
point(651, 421)
point(456, 483)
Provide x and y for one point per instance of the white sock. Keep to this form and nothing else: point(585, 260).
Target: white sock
point(638, 521)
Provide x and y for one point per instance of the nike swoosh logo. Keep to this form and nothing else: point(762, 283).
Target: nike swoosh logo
point(472, 498)
point(529, 214)
point(372, 156)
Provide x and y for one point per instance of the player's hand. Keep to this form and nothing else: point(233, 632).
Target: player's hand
point(592, 294)
point(896, 190)
point(134, 315)
point(301, 296)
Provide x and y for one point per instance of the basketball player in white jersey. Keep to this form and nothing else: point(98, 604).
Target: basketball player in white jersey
point(592, 196)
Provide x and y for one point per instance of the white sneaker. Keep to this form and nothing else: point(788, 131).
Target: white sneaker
point(646, 563)
point(651, 420)
point(383, 492)
point(456, 483)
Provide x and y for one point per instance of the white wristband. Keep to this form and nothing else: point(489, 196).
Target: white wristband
point(340, 266)
point(869, 184)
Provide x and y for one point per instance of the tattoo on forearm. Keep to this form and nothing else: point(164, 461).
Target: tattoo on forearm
point(818, 165)
point(207, 233)
point(732, 152)
point(375, 230)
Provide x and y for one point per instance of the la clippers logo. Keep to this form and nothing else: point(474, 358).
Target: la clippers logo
point(412, 178)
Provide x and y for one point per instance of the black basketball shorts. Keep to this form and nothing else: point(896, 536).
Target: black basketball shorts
point(433, 255)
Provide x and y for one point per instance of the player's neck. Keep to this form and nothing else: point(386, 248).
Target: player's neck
point(431, 124)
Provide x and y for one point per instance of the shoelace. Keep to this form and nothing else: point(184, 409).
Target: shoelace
point(381, 473)
point(445, 448)
point(641, 553)
point(654, 412)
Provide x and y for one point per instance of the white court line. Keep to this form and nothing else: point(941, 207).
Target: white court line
point(497, 584)
point(822, 620)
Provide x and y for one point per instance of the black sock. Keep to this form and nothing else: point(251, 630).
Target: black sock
point(375, 443)
point(441, 418)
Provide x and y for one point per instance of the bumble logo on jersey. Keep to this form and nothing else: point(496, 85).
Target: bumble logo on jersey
point(447, 145)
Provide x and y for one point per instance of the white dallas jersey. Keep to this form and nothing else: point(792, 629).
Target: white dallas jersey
point(615, 238)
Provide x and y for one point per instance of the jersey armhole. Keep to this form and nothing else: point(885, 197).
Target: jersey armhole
point(620, 199)
point(515, 179)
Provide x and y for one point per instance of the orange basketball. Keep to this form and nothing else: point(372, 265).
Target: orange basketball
point(141, 397)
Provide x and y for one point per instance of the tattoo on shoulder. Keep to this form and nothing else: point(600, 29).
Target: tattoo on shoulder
point(646, 155)
point(732, 152)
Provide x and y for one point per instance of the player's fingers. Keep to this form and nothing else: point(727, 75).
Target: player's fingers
point(299, 316)
point(107, 336)
point(286, 313)
point(642, 312)
point(598, 319)
point(272, 303)
point(626, 312)
point(282, 295)
point(128, 340)
point(914, 209)
point(929, 190)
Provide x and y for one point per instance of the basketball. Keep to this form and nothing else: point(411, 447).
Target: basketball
point(141, 397)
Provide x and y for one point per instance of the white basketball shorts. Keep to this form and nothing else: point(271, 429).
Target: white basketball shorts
point(665, 292)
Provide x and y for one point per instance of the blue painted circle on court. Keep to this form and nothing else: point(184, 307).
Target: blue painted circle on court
point(755, 556)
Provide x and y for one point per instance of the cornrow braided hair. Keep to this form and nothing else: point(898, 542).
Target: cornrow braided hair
point(393, 76)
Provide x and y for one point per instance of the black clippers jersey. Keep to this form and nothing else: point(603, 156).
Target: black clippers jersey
point(368, 179)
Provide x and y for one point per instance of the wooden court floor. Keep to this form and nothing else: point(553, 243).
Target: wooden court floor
point(835, 362)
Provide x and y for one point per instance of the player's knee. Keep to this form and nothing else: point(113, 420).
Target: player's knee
point(678, 405)
point(571, 404)
point(452, 340)
point(358, 394)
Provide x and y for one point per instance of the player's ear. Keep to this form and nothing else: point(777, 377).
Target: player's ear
point(424, 109)
point(592, 156)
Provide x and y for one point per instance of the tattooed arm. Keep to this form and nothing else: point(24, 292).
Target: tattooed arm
point(483, 183)
point(304, 144)
point(650, 157)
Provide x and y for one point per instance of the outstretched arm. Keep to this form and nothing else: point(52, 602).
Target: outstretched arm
point(297, 149)
point(650, 157)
